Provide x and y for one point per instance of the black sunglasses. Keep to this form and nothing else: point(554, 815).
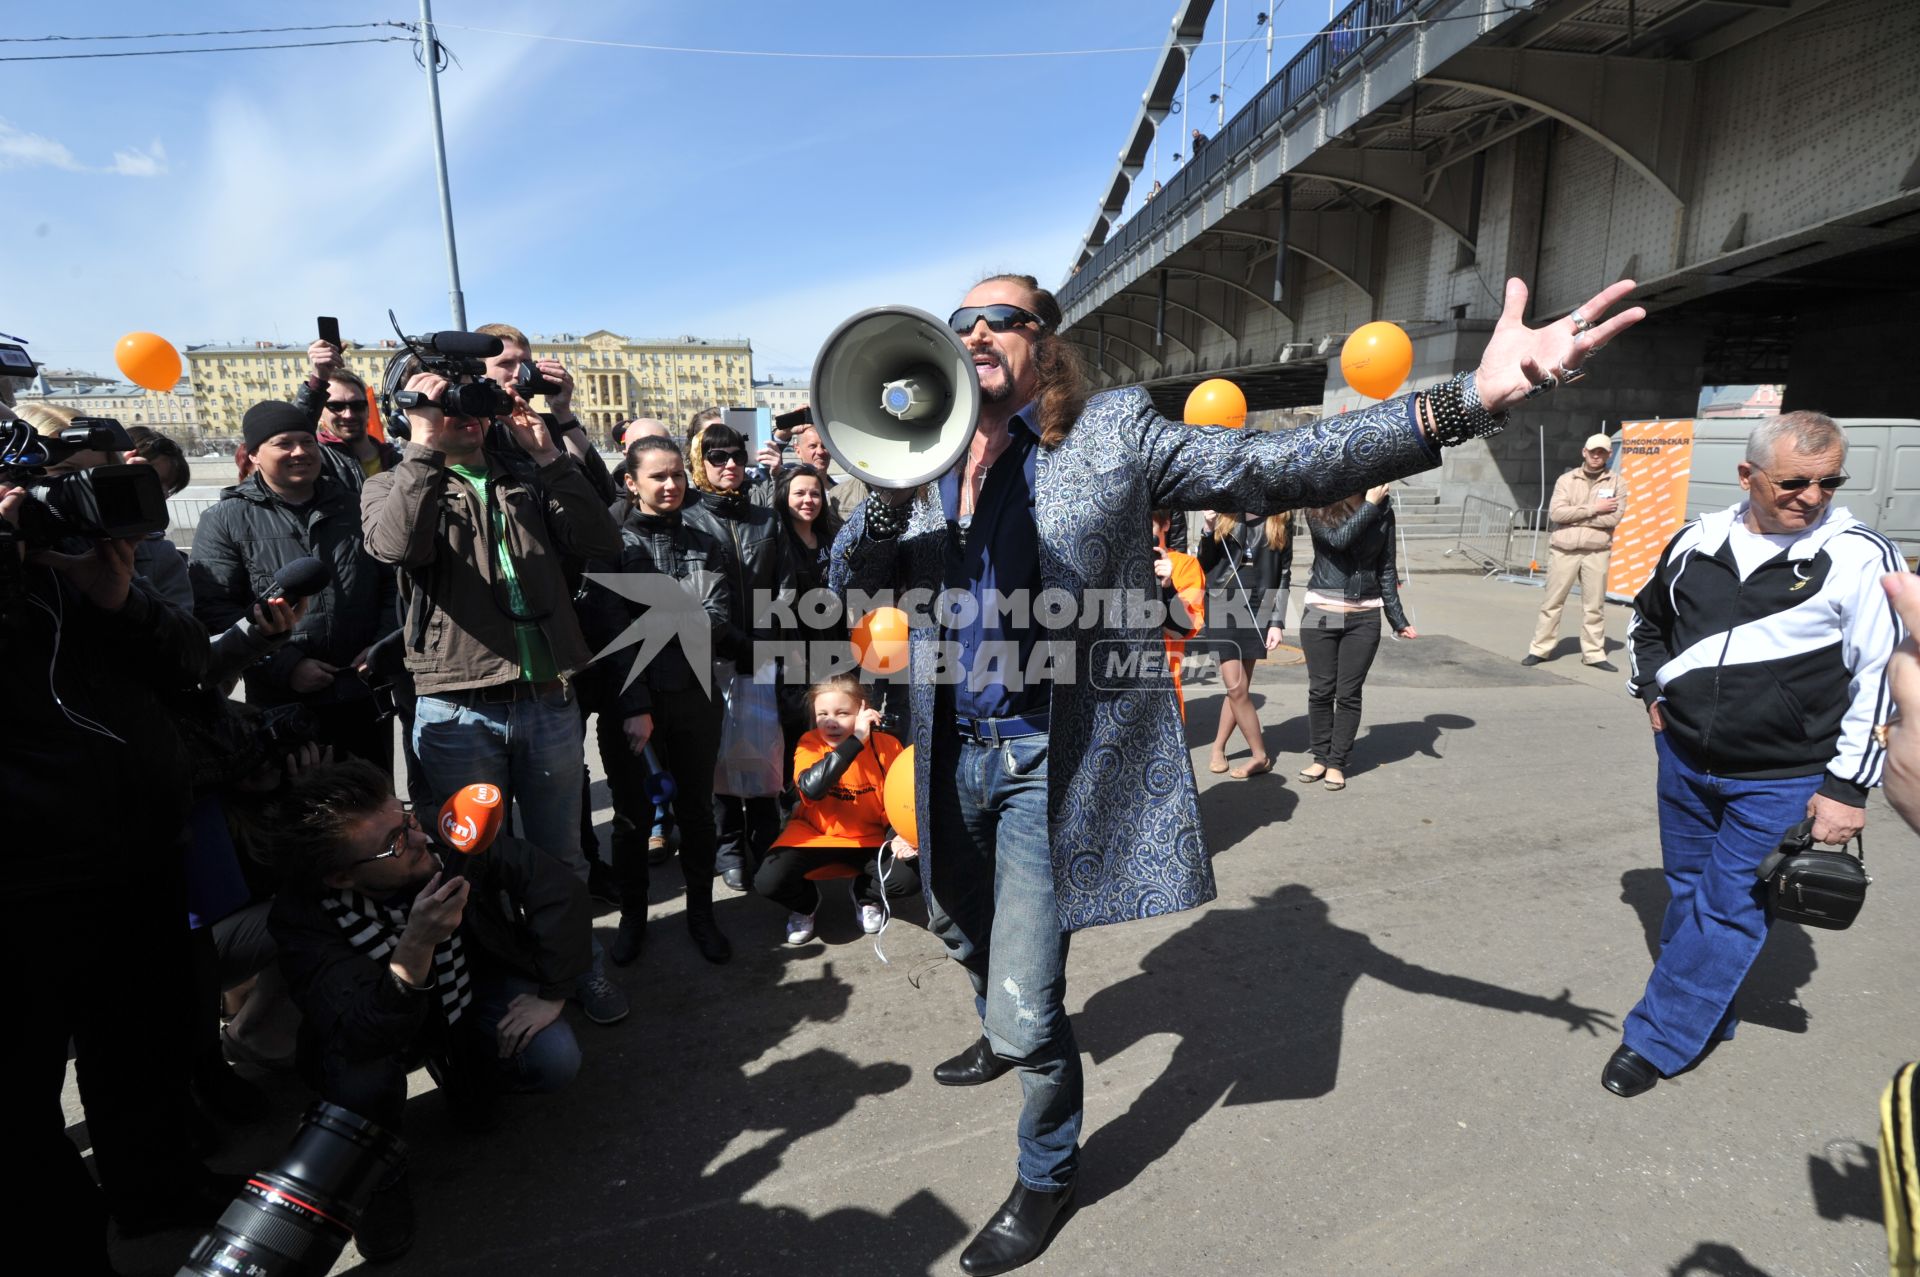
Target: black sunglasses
point(345, 406)
point(722, 456)
point(1000, 316)
point(1828, 483)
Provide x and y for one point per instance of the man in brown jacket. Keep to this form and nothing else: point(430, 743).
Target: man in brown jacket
point(479, 534)
point(1585, 509)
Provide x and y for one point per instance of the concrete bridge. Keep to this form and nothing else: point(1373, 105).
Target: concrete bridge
point(1755, 164)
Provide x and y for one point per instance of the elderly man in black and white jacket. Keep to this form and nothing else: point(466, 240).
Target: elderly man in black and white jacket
point(1760, 649)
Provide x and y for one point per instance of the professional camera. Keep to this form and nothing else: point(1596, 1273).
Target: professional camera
point(98, 503)
point(295, 1219)
point(461, 358)
point(15, 363)
point(529, 382)
point(228, 740)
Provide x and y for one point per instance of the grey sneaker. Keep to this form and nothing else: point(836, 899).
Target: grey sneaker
point(601, 998)
point(872, 918)
point(799, 928)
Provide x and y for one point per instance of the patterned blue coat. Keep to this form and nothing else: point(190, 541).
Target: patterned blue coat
point(1123, 811)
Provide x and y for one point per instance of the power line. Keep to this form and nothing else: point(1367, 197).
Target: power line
point(185, 35)
point(941, 57)
point(230, 48)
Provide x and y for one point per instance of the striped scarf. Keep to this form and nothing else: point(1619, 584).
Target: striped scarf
point(373, 928)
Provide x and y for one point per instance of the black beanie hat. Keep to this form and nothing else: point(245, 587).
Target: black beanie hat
point(273, 417)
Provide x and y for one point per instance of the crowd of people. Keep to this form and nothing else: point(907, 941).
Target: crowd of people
point(492, 585)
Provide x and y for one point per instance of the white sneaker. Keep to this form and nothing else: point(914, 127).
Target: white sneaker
point(799, 928)
point(872, 918)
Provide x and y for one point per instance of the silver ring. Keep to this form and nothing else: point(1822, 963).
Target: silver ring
point(1541, 387)
point(1580, 322)
point(1567, 376)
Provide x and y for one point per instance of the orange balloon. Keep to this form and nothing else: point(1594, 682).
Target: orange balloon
point(148, 360)
point(880, 641)
point(471, 819)
point(1377, 358)
point(897, 792)
point(1216, 402)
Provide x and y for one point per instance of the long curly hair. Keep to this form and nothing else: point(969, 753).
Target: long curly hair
point(1056, 363)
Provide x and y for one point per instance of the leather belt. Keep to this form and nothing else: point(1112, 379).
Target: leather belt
point(991, 731)
point(504, 693)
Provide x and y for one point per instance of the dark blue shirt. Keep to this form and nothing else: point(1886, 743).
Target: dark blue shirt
point(999, 551)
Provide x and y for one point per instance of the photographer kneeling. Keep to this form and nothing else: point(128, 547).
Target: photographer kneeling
point(397, 959)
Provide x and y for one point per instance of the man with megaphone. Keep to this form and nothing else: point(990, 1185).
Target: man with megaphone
point(1055, 780)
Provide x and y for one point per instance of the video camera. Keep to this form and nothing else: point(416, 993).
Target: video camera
point(461, 358)
point(103, 502)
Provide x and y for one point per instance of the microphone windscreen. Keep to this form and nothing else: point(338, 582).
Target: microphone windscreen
point(301, 579)
point(470, 820)
point(466, 345)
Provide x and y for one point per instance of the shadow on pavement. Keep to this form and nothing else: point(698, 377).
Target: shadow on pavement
point(1386, 743)
point(1257, 997)
point(647, 1162)
point(1770, 997)
point(1713, 1259)
point(1845, 1181)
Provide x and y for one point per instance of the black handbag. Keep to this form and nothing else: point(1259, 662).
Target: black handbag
point(1812, 887)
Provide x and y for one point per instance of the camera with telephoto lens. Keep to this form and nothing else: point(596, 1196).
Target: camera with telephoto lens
point(99, 503)
point(294, 1219)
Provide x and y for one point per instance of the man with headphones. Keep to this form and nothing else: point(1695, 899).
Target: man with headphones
point(1052, 799)
point(482, 530)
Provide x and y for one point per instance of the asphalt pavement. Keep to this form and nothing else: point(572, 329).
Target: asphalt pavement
point(1378, 1051)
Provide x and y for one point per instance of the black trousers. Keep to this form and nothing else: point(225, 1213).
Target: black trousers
point(1340, 647)
point(108, 969)
point(783, 875)
point(686, 740)
point(746, 827)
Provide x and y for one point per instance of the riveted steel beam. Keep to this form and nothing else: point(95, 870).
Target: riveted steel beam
point(1640, 109)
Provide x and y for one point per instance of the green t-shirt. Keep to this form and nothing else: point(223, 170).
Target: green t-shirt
point(536, 657)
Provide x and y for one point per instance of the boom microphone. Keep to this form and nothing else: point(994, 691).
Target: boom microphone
point(459, 345)
point(300, 579)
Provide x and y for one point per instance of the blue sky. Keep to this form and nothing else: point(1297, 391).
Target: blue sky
point(228, 197)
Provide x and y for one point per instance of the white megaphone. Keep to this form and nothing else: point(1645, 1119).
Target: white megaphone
point(895, 397)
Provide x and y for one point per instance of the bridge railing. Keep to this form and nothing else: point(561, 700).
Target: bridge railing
point(1322, 57)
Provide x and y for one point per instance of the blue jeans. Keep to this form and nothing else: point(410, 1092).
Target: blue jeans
point(992, 905)
point(1714, 832)
point(530, 747)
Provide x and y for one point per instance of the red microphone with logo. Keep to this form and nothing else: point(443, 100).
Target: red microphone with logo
point(470, 820)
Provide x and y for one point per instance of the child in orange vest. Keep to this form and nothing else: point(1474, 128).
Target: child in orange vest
point(840, 769)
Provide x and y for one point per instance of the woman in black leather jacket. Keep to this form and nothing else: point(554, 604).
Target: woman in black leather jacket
point(1249, 567)
point(1354, 580)
point(757, 574)
point(808, 525)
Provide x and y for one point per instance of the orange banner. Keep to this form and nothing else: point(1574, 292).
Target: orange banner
point(1655, 460)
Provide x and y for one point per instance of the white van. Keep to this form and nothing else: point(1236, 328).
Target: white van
point(1883, 465)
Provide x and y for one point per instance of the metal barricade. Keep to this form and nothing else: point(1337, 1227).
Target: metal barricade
point(1486, 534)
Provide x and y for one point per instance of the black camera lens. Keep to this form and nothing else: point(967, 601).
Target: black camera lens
point(481, 398)
point(295, 1219)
